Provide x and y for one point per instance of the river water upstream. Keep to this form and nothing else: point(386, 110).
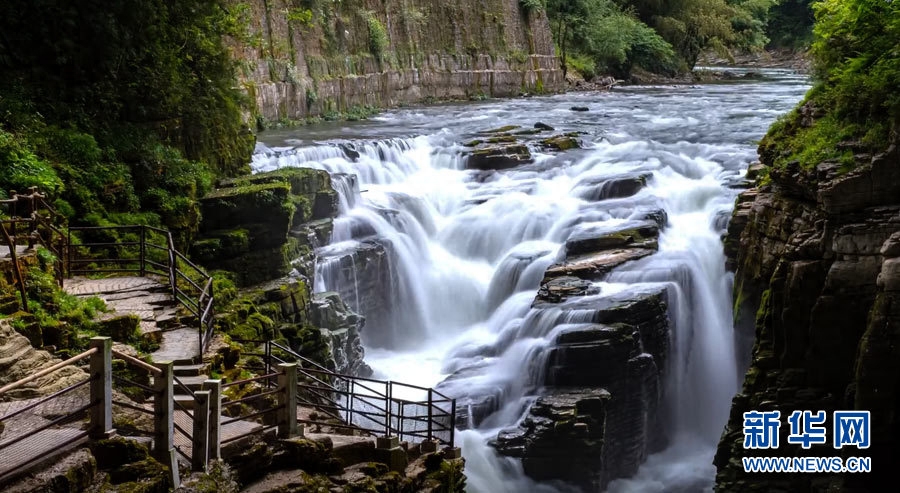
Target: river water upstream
point(467, 250)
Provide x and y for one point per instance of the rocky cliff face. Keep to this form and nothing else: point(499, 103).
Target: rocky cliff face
point(818, 282)
point(317, 58)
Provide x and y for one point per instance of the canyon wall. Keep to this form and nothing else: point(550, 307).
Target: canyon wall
point(817, 256)
point(304, 58)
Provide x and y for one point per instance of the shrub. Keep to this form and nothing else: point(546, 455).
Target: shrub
point(23, 169)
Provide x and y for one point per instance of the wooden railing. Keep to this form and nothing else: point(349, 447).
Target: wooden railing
point(32, 430)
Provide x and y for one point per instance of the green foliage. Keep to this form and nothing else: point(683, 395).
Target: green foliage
point(612, 38)
point(790, 24)
point(22, 168)
point(60, 316)
point(300, 15)
point(132, 105)
point(378, 38)
point(583, 65)
point(855, 99)
point(532, 5)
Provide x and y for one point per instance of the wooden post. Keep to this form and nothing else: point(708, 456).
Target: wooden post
point(215, 417)
point(164, 419)
point(200, 438)
point(287, 400)
point(16, 270)
point(163, 412)
point(101, 388)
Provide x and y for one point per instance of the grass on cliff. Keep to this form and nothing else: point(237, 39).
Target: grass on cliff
point(854, 106)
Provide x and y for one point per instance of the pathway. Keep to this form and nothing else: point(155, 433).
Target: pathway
point(150, 300)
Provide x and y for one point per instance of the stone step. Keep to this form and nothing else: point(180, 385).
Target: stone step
point(191, 382)
point(184, 401)
point(189, 370)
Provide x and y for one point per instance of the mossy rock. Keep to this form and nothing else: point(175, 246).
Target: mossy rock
point(263, 208)
point(221, 244)
point(499, 157)
point(122, 328)
point(314, 456)
point(499, 130)
point(116, 452)
point(560, 143)
point(147, 475)
point(33, 332)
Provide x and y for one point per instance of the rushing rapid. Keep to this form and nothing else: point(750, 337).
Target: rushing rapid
point(458, 254)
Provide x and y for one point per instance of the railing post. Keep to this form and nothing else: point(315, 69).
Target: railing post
point(143, 250)
point(200, 438)
point(430, 416)
point(69, 252)
point(452, 422)
point(101, 388)
point(14, 209)
point(172, 266)
point(163, 413)
point(388, 401)
point(215, 417)
point(287, 400)
point(350, 402)
point(164, 419)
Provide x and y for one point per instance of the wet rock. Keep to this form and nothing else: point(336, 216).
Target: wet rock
point(543, 126)
point(621, 351)
point(633, 234)
point(579, 108)
point(561, 288)
point(611, 187)
point(560, 143)
point(499, 130)
point(816, 307)
point(561, 437)
point(596, 265)
point(343, 328)
point(499, 157)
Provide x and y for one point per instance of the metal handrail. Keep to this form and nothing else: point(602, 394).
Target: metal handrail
point(339, 402)
point(196, 297)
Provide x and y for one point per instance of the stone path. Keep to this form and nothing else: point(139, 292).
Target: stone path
point(150, 300)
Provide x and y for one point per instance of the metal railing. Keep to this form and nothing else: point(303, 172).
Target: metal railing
point(256, 405)
point(390, 408)
point(145, 250)
point(142, 250)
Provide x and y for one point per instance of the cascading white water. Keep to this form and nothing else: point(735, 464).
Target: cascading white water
point(465, 251)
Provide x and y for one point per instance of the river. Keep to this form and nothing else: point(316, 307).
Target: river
point(467, 249)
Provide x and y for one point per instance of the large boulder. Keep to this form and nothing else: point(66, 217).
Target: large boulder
point(499, 156)
point(561, 437)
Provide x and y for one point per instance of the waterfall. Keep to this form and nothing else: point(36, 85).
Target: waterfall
point(444, 262)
